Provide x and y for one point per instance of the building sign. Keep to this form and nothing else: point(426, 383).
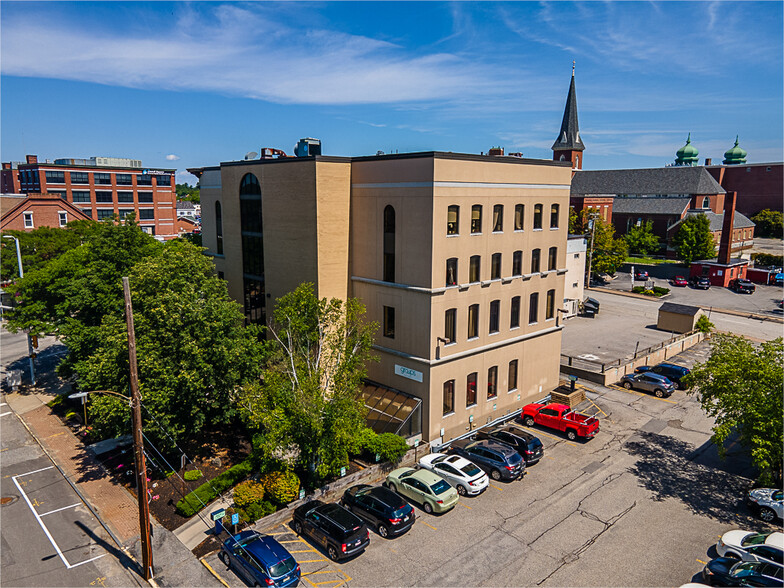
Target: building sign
point(408, 373)
point(154, 172)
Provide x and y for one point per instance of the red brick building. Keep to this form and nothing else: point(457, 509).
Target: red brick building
point(101, 187)
point(26, 213)
point(759, 185)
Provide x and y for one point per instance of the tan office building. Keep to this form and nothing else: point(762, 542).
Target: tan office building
point(459, 258)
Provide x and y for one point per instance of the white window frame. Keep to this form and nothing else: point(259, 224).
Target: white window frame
point(27, 215)
point(62, 215)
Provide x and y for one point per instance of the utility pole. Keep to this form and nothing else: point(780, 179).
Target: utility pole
point(30, 350)
point(138, 447)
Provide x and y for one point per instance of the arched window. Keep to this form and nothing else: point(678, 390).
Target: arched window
point(538, 216)
point(249, 185)
point(218, 228)
point(389, 244)
point(706, 202)
point(554, 209)
point(252, 249)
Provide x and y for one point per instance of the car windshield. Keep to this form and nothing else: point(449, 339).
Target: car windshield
point(755, 539)
point(470, 469)
point(440, 487)
point(282, 567)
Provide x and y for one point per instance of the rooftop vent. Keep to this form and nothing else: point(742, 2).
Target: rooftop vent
point(307, 147)
point(496, 151)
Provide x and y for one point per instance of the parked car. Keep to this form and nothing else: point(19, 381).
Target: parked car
point(742, 286)
point(660, 386)
point(701, 282)
point(424, 487)
point(260, 560)
point(778, 279)
point(562, 418)
point(768, 503)
point(672, 372)
point(388, 512)
point(340, 532)
point(640, 275)
point(728, 571)
point(680, 281)
point(499, 460)
point(527, 445)
point(464, 476)
point(750, 546)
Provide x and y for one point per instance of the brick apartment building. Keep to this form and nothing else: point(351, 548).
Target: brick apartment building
point(101, 187)
point(27, 213)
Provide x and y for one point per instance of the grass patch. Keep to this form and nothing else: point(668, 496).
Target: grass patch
point(209, 491)
point(651, 261)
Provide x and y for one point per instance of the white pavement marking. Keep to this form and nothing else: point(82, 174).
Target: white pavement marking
point(2, 414)
point(59, 509)
point(40, 522)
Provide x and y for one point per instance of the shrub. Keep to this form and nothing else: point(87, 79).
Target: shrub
point(191, 475)
point(767, 260)
point(207, 492)
point(256, 510)
point(389, 447)
point(704, 325)
point(638, 289)
point(281, 487)
point(247, 493)
point(659, 291)
point(648, 292)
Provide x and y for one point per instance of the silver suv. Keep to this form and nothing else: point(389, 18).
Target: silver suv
point(649, 382)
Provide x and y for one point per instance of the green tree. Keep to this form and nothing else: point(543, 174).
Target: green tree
point(187, 192)
point(192, 346)
point(609, 253)
point(40, 246)
point(770, 223)
point(575, 226)
point(641, 239)
point(740, 387)
point(694, 240)
point(308, 405)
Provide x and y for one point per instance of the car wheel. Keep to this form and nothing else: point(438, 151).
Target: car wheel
point(224, 557)
point(496, 475)
point(571, 435)
point(627, 385)
point(529, 421)
point(428, 508)
point(392, 487)
point(383, 531)
point(298, 527)
point(461, 490)
point(767, 514)
point(332, 553)
point(659, 393)
point(677, 385)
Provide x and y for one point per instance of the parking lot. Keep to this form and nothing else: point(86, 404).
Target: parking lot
point(639, 505)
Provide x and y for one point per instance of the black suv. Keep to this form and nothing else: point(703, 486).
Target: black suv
point(499, 460)
point(527, 445)
point(672, 372)
point(341, 533)
point(387, 511)
point(702, 282)
point(743, 286)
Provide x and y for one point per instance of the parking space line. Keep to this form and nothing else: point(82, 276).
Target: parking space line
point(303, 551)
point(308, 580)
point(429, 525)
point(293, 541)
point(328, 582)
point(311, 560)
point(88, 560)
point(38, 518)
point(2, 414)
point(43, 514)
point(496, 487)
point(319, 572)
point(702, 562)
point(548, 457)
point(468, 507)
point(213, 572)
point(34, 472)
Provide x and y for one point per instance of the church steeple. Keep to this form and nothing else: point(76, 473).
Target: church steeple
point(569, 146)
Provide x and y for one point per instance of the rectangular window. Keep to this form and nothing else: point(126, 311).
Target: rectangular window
point(105, 179)
point(80, 177)
point(452, 220)
point(549, 311)
point(80, 196)
point(144, 180)
point(495, 267)
point(145, 198)
point(471, 389)
point(104, 213)
point(517, 263)
point(55, 177)
point(519, 216)
point(389, 322)
point(125, 197)
point(451, 271)
point(87, 212)
point(449, 397)
point(63, 218)
point(124, 212)
point(476, 218)
point(537, 216)
point(552, 258)
point(533, 308)
point(514, 319)
point(492, 382)
point(124, 179)
point(103, 197)
point(498, 218)
point(495, 307)
point(513, 375)
point(163, 181)
point(146, 214)
point(450, 328)
point(28, 220)
point(473, 268)
point(473, 321)
point(535, 256)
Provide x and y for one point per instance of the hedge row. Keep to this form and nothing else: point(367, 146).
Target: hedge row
point(209, 491)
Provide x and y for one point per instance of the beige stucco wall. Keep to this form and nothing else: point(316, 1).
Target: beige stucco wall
point(574, 281)
point(677, 323)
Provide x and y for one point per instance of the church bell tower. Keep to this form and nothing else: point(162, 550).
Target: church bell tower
point(568, 146)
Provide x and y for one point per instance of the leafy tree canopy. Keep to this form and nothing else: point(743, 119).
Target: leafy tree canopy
point(740, 386)
point(308, 405)
point(641, 239)
point(694, 240)
point(188, 192)
point(770, 223)
point(609, 253)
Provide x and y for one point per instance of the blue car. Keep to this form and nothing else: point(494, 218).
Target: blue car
point(260, 560)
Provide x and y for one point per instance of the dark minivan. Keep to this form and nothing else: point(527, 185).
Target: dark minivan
point(385, 510)
point(672, 372)
point(340, 532)
point(527, 445)
point(260, 560)
point(499, 460)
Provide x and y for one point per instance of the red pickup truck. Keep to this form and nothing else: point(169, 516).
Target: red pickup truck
point(561, 417)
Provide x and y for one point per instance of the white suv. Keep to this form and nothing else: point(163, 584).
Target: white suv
point(768, 502)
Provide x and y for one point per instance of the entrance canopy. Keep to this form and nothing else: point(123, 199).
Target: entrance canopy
point(391, 410)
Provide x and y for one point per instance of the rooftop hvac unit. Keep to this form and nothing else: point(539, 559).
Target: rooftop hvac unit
point(307, 147)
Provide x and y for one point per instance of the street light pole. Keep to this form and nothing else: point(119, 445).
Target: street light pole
point(29, 339)
point(138, 447)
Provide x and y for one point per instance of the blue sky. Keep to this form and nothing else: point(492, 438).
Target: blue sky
point(193, 84)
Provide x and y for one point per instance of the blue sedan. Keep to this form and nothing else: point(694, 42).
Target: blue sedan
point(260, 560)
